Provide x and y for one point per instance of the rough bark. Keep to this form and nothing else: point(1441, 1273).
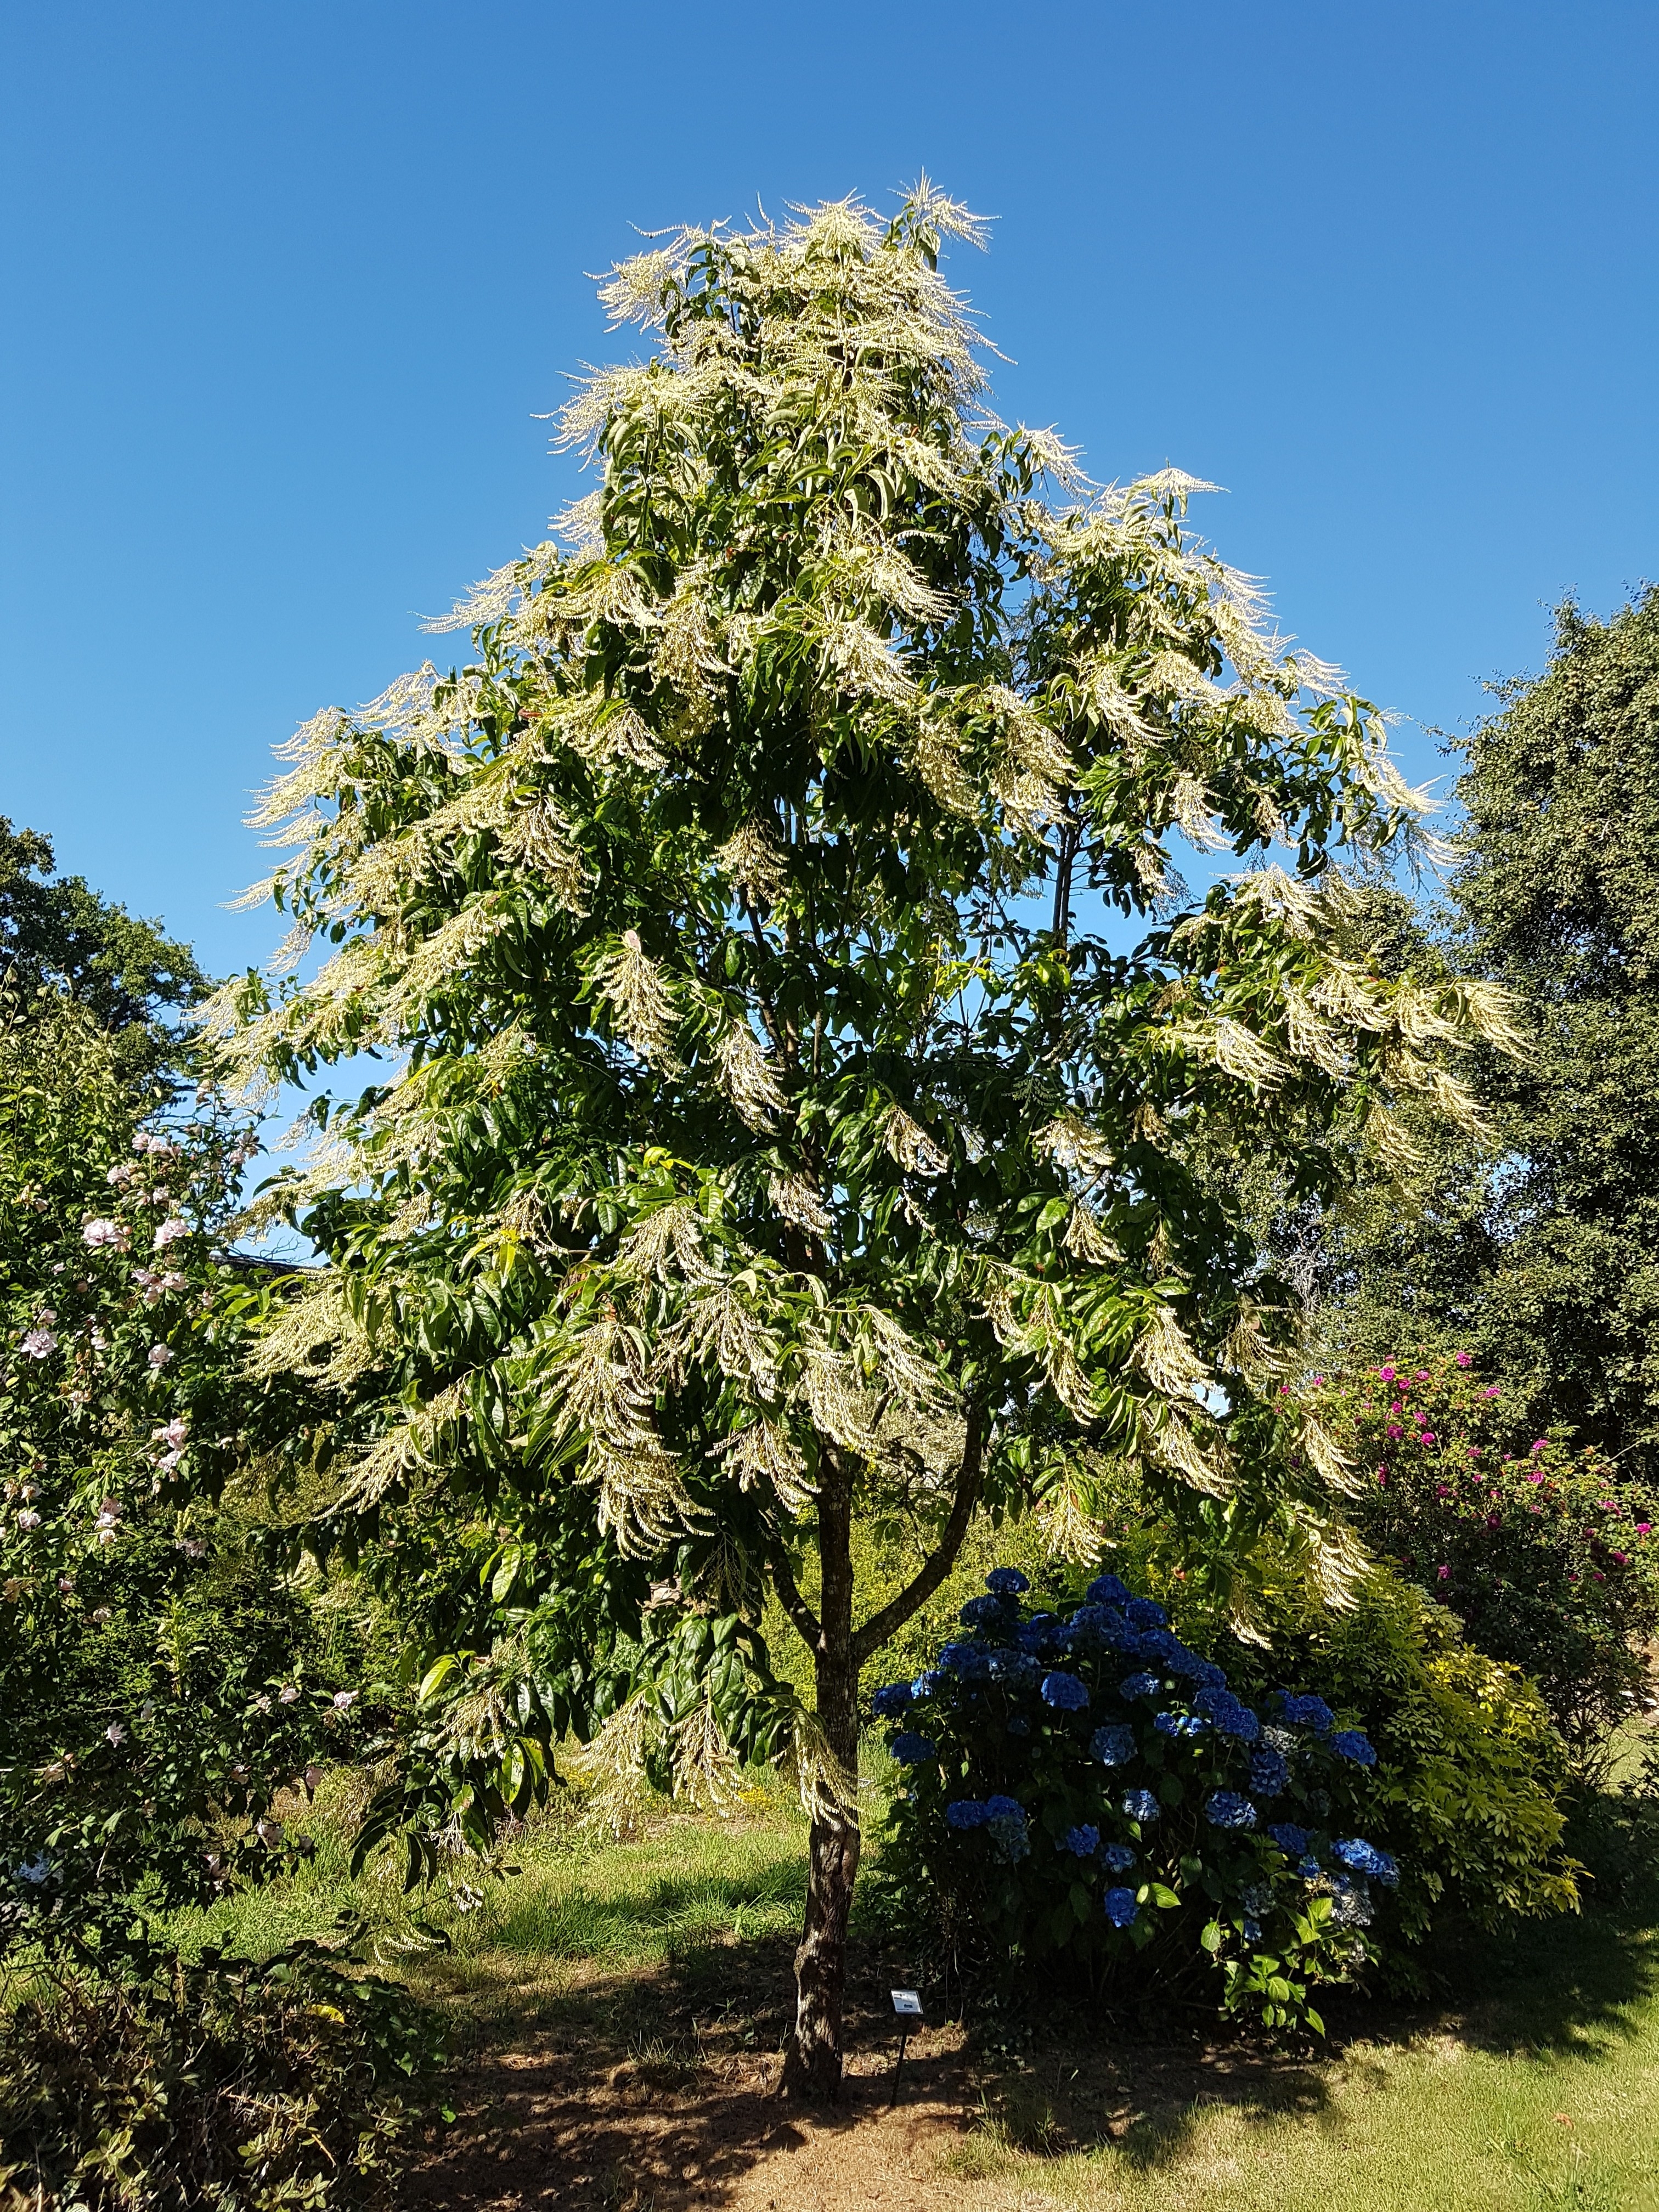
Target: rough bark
point(812, 2060)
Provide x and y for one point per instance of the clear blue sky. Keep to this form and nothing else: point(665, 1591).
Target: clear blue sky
point(286, 287)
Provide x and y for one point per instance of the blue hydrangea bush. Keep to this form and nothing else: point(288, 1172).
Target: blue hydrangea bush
point(1087, 1787)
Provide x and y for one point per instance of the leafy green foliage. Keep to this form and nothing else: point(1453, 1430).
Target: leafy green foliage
point(769, 1132)
point(1463, 1797)
point(1466, 1790)
point(1086, 1789)
point(1546, 1554)
point(56, 935)
point(250, 2089)
point(161, 1681)
point(1535, 1252)
point(766, 1143)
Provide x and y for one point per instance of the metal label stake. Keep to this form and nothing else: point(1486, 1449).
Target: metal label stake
point(907, 2007)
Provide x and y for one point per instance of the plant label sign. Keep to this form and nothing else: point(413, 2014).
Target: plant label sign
point(907, 2004)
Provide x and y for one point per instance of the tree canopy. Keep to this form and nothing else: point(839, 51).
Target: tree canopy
point(797, 1034)
point(56, 931)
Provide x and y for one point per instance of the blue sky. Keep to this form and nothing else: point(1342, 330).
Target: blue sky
point(286, 287)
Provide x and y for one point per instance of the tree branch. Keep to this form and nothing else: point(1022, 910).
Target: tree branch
point(806, 1623)
point(969, 1477)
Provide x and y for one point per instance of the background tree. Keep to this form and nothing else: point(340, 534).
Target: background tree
point(56, 931)
point(765, 1144)
point(1536, 1251)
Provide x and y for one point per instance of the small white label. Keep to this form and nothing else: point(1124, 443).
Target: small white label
point(907, 2001)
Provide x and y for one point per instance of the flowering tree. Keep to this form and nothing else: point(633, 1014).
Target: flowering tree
point(1547, 1553)
point(154, 1697)
point(764, 1142)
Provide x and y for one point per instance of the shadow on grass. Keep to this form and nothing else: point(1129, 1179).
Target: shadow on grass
point(1576, 1987)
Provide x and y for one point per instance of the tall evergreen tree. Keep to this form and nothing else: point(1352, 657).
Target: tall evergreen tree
point(1558, 898)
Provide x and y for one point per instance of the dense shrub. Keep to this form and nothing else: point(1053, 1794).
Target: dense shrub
point(243, 2087)
point(1091, 1789)
point(1547, 1555)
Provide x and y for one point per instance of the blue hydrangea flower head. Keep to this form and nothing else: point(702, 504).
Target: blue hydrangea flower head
point(926, 1682)
point(913, 1750)
point(1089, 1624)
point(1348, 1743)
point(1233, 1719)
point(1037, 1634)
point(1119, 1858)
point(1309, 1867)
point(1066, 1694)
point(1120, 1907)
point(1225, 1809)
point(1107, 1590)
point(985, 1613)
point(1113, 1746)
point(1290, 1839)
point(1016, 1669)
point(1309, 1712)
point(1007, 1581)
point(1140, 1805)
point(966, 1812)
point(1366, 1858)
point(1252, 1929)
point(1142, 1613)
point(889, 1702)
point(1083, 1842)
point(1208, 1676)
point(970, 1662)
point(1005, 1818)
point(1270, 1772)
point(1139, 1686)
point(1177, 1724)
point(1160, 1643)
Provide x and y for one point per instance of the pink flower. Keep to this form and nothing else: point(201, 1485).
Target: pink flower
point(1491, 1390)
point(1539, 1444)
point(1386, 1374)
point(115, 1733)
point(1428, 1436)
point(97, 1234)
point(1463, 1358)
point(28, 1518)
point(39, 1344)
point(160, 1357)
point(1422, 1374)
point(1443, 1574)
point(170, 1230)
point(344, 1699)
point(1620, 1559)
point(174, 1433)
point(287, 1694)
point(1394, 1431)
point(1534, 1476)
point(1644, 1527)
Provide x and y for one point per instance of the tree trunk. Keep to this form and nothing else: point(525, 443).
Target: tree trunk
point(812, 2059)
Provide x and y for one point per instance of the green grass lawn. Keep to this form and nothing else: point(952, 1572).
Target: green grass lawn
point(1533, 2084)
